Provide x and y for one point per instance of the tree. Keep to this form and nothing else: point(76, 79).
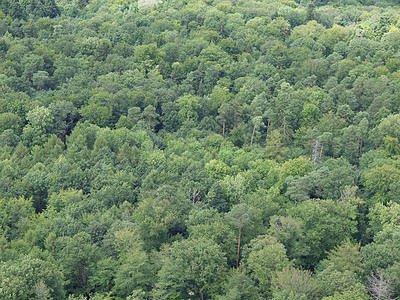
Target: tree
point(217, 169)
point(241, 215)
point(379, 286)
point(383, 215)
point(29, 277)
point(389, 126)
point(384, 254)
point(15, 10)
point(381, 182)
point(310, 114)
point(39, 127)
point(97, 114)
point(51, 9)
point(289, 231)
point(77, 256)
point(37, 177)
point(240, 286)
point(207, 223)
point(348, 295)
point(225, 112)
point(341, 270)
point(188, 106)
point(345, 257)
point(294, 281)
point(134, 114)
point(218, 97)
point(296, 167)
point(191, 267)
point(263, 256)
point(331, 282)
point(154, 219)
point(275, 147)
point(14, 214)
point(257, 121)
point(9, 138)
point(135, 270)
point(10, 121)
point(150, 114)
point(40, 79)
point(65, 114)
point(325, 224)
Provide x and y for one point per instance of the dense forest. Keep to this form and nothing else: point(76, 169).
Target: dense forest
point(199, 149)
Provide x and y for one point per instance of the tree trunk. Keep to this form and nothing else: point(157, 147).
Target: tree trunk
point(201, 295)
point(223, 127)
point(238, 252)
point(320, 154)
point(252, 136)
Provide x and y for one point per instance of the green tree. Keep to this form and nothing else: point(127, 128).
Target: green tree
point(310, 114)
point(154, 219)
point(341, 271)
point(219, 96)
point(348, 295)
point(77, 257)
point(191, 268)
point(39, 127)
point(240, 287)
point(294, 281)
point(289, 231)
point(30, 278)
point(188, 106)
point(381, 182)
point(383, 215)
point(389, 126)
point(325, 224)
point(151, 116)
point(40, 79)
point(331, 282)
point(224, 114)
point(263, 256)
point(275, 147)
point(383, 254)
point(134, 271)
point(345, 257)
point(9, 138)
point(65, 115)
point(241, 216)
point(97, 114)
point(207, 223)
point(10, 121)
point(14, 216)
point(257, 121)
point(15, 10)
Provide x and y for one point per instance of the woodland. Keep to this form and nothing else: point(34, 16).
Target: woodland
point(199, 149)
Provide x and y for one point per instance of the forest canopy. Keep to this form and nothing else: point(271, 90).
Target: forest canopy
point(189, 149)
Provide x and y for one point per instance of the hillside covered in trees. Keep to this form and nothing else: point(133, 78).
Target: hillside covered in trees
point(226, 149)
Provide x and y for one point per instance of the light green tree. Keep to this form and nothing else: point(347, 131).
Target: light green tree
point(30, 278)
point(264, 256)
point(188, 106)
point(39, 127)
point(193, 267)
point(241, 215)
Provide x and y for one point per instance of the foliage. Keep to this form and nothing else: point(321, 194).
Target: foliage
point(191, 267)
point(30, 277)
point(149, 147)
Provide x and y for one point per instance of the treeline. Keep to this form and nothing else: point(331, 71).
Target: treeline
point(199, 150)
